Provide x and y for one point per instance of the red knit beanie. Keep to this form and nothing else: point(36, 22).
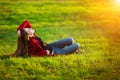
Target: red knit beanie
point(25, 24)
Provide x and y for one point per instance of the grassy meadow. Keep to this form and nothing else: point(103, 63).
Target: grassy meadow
point(95, 24)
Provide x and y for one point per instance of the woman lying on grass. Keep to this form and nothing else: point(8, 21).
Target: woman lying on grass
point(29, 43)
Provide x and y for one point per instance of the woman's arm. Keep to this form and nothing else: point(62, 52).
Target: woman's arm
point(35, 48)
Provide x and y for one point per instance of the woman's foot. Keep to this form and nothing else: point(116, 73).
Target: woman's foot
point(77, 51)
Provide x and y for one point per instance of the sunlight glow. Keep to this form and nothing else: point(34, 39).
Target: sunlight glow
point(117, 2)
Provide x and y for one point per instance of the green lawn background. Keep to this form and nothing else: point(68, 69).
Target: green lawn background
point(94, 24)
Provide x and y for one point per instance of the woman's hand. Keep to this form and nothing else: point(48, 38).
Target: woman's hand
point(51, 54)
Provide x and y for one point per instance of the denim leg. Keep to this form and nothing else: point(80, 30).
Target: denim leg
point(62, 43)
point(70, 49)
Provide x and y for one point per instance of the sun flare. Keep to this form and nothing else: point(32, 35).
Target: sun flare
point(117, 2)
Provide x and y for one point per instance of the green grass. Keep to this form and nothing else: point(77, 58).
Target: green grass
point(95, 25)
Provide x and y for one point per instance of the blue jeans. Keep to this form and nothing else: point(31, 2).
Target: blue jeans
point(64, 46)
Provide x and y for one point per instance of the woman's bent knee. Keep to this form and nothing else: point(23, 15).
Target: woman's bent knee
point(70, 39)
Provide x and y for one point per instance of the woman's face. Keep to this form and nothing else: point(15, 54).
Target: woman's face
point(30, 31)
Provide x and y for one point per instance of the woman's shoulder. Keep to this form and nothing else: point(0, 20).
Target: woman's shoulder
point(33, 40)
